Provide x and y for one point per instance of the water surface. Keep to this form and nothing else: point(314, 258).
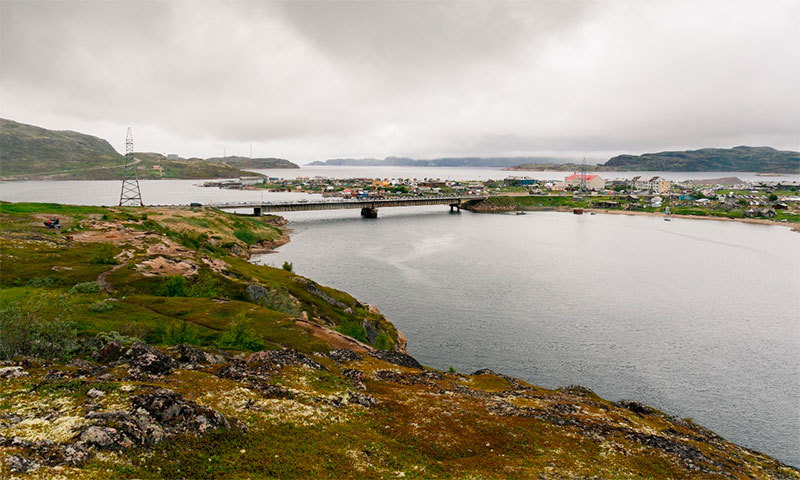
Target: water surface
point(698, 318)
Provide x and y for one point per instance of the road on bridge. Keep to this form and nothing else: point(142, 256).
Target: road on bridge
point(368, 206)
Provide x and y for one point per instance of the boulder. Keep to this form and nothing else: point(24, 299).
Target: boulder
point(194, 356)
point(178, 415)
point(273, 360)
point(110, 352)
point(12, 372)
point(95, 393)
point(397, 358)
point(149, 359)
point(101, 437)
point(18, 464)
point(343, 356)
point(356, 377)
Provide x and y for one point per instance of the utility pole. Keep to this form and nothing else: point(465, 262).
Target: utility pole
point(131, 194)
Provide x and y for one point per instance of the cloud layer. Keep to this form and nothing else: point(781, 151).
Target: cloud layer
point(315, 80)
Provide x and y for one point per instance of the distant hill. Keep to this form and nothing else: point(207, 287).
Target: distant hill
point(247, 162)
point(31, 152)
point(27, 149)
point(737, 159)
point(498, 162)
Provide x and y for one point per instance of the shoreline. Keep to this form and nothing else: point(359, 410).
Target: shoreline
point(795, 227)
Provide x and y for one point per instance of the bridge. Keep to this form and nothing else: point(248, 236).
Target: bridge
point(368, 206)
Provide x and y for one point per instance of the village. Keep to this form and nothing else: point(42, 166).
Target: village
point(729, 196)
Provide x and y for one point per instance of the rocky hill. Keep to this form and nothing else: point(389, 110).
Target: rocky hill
point(27, 149)
point(737, 159)
point(28, 152)
point(435, 162)
point(141, 343)
point(254, 163)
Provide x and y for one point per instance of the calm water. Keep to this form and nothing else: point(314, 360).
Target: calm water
point(698, 318)
point(461, 173)
point(154, 192)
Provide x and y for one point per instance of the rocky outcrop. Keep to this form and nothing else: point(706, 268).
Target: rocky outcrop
point(147, 359)
point(343, 355)
point(274, 360)
point(397, 358)
point(12, 372)
point(314, 289)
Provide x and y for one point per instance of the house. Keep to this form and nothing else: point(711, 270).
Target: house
point(519, 181)
point(656, 201)
point(592, 182)
point(246, 181)
point(659, 185)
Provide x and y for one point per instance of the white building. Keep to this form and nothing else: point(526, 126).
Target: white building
point(593, 182)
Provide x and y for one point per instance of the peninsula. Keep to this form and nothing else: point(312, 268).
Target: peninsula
point(141, 343)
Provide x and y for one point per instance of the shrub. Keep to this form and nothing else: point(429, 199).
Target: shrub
point(25, 330)
point(288, 266)
point(382, 341)
point(104, 256)
point(180, 332)
point(101, 306)
point(206, 286)
point(85, 287)
point(353, 329)
point(41, 281)
point(173, 286)
point(452, 369)
point(245, 235)
point(240, 336)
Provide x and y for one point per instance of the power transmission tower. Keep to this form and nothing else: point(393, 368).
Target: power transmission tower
point(583, 175)
point(130, 194)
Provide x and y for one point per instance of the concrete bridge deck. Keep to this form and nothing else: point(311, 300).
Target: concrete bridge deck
point(369, 206)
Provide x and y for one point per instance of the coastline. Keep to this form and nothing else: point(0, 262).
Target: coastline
point(795, 227)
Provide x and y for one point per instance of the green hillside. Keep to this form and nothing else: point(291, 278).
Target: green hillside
point(35, 153)
point(247, 162)
point(737, 159)
point(27, 149)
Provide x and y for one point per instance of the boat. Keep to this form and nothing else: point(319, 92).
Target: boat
point(577, 211)
point(667, 219)
point(593, 213)
point(520, 213)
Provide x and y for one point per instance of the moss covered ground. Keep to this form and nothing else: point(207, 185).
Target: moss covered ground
point(102, 277)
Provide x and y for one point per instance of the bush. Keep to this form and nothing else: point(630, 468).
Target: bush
point(173, 286)
point(353, 329)
point(24, 330)
point(452, 369)
point(104, 256)
point(206, 286)
point(382, 341)
point(240, 336)
point(85, 287)
point(41, 281)
point(245, 235)
point(101, 306)
point(288, 266)
point(180, 332)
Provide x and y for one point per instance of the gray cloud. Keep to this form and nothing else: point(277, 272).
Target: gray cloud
point(312, 80)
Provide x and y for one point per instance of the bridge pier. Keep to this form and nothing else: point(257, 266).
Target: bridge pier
point(455, 207)
point(369, 212)
point(257, 211)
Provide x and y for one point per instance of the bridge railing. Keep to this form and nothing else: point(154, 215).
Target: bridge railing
point(344, 201)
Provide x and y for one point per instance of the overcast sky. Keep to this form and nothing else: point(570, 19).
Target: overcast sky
point(316, 80)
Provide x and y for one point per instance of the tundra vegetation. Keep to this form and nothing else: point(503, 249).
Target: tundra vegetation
point(180, 359)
